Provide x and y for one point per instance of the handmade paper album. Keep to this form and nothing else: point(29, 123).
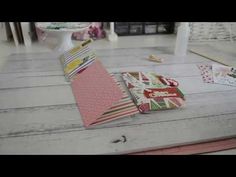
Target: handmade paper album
point(100, 97)
point(153, 92)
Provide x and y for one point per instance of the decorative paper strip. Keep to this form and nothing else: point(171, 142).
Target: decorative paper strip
point(99, 97)
point(153, 92)
point(77, 59)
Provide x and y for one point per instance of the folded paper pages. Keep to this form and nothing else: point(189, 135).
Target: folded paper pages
point(77, 59)
point(153, 92)
point(99, 97)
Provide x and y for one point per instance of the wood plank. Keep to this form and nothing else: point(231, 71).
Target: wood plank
point(43, 120)
point(31, 74)
point(142, 53)
point(135, 51)
point(120, 55)
point(42, 62)
point(31, 81)
point(32, 56)
point(18, 79)
point(21, 79)
point(175, 70)
point(169, 70)
point(62, 118)
point(132, 60)
point(138, 137)
point(62, 94)
point(218, 55)
point(36, 96)
point(31, 65)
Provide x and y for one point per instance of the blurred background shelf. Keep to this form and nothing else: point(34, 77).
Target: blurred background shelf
point(143, 28)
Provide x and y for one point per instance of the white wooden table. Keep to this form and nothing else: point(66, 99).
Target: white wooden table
point(38, 114)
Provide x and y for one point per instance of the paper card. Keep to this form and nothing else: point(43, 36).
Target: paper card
point(224, 74)
point(206, 73)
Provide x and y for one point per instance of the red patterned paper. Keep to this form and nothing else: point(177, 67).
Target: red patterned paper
point(95, 92)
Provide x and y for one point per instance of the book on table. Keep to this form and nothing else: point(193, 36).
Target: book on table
point(153, 92)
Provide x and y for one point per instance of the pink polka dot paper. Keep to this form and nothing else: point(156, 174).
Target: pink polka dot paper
point(206, 73)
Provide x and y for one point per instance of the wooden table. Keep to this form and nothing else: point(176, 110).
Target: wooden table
point(38, 114)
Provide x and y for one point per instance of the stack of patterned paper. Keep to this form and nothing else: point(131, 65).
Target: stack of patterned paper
point(153, 92)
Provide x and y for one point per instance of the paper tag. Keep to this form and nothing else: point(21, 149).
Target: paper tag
point(224, 74)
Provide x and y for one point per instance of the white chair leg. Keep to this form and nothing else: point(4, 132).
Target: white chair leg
point(14, 33)
point(112, 36)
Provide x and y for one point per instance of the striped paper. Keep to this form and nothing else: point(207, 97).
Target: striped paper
point(77, 59)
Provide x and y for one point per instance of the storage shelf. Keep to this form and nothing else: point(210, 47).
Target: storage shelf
point(143, 28)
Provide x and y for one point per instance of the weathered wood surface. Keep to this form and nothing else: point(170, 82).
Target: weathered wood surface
point(38, 113)
point(215, 54)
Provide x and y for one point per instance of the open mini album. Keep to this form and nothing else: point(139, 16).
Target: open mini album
point(153, 92)
point(99, 96)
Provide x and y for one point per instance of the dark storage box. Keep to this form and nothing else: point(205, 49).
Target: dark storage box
point(122, 30)
point(136, 29)
point(141, 28)
point(150, 29)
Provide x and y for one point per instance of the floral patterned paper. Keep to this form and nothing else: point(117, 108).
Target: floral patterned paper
point(153, 92)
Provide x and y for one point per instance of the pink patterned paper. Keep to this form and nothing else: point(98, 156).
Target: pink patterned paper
point(206, 72)
point(95, 92)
